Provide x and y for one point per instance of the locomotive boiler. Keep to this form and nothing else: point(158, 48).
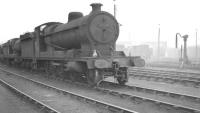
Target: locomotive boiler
point(95, 31)
point(83, 48)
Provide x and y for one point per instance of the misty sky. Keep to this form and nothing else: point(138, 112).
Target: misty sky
point(139, 18)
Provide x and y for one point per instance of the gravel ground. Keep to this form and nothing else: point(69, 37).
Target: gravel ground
point(10, 103)
point(126, 103)
point(62, 103)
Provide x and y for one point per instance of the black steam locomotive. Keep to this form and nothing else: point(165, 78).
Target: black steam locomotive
point(83, 48)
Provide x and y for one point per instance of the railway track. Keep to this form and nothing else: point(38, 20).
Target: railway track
point(189, 73)
point(41, 105)
point(171, 99)
point(176, 65)
point(47, 108)
point(184, 78)
point(114, 89)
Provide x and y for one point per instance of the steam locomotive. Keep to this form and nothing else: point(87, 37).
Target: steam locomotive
point(82, 48)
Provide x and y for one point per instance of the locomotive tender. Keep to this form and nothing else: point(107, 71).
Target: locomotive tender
point(84, 48)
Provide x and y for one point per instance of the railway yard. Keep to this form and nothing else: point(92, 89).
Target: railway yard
point(76, 66)
point(149, 90)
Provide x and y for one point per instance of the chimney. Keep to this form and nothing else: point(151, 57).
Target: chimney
point(96, 7)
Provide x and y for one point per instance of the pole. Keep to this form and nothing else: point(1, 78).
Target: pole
point(115, 18)
point(114, 9)
point(158, 41)
point(181, 58)
point(196, 45)
point(185, 57)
